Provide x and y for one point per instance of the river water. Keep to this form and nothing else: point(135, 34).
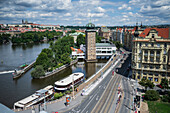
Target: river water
point(11, 57)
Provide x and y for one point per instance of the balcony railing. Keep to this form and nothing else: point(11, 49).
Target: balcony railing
point(148, 47)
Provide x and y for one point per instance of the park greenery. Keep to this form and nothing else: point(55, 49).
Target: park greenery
point(37, 72)
point(151, 95)
point(31, 36)
point(146, 83)
point(4, 38)
point(56, 56)
point(158, 107)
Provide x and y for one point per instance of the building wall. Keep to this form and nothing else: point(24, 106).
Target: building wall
point(150, 57)
point(90, 45)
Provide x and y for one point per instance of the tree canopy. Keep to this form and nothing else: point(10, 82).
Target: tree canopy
point(146, 83)
point(164, 83)
point(151, 95)
point(38, 72)
point(32, 36)
point(80, 40)
point(57, 55)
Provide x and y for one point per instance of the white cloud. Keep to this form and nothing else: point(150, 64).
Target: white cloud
point(125, 16)
point(95, 14)
point(67, 14)
point(100, 9)
point(124, 6)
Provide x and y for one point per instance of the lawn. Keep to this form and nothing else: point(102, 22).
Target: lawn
point(158, 107)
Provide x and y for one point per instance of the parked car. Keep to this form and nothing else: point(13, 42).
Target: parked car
point(159, 86)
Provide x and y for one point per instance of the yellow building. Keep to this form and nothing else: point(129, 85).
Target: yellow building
point(151, 54)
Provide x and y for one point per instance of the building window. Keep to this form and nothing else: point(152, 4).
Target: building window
point(157, 53)
point(138, 77)
point(144, 74)
point(158, 45)
point(152, 53)
point(164, 67)
point(158, 67)
point(157, 59)
point(164, 59)
point(165, 45)
point(164, 51)
point(144, 78)
point(153, 36)
point(151, 59)
point(146, 59)
point(139, 65)
point(150, 78)
point(140, 44)
point(145, 66)
point(138, 72)
point(156, 74)
point(139, 58)
point(146, 44)
point(163, 75)
point(156, 79)
point(151, 74)
point(152, 45)
point(151, 66)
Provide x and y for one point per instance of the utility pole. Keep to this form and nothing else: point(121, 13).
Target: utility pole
point(73, 85)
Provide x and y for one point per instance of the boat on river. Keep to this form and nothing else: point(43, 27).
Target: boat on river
point(38, 97)
point(17, 73)
point(66, 83)
point(23, 65)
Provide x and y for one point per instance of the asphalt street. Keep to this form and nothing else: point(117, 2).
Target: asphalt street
point(89, 103)
point(91, 100)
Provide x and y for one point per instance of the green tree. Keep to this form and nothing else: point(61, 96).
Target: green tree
point(37, 72)
point(58, 95)
point(98, 39)
point(80, 40)
point(42, 59)
point(146, 83)
point(164, 83)
point(49, 52)
point(151, 95)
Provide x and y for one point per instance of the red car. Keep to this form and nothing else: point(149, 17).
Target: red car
point(159, 86)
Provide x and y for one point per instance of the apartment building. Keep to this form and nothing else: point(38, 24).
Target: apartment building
point(151, 54)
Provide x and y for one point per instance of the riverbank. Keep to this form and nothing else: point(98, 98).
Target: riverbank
point(47, 74)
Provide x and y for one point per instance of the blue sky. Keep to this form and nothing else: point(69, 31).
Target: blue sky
point(78, 12)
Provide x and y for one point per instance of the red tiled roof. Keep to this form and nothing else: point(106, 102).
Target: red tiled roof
point(163, 32)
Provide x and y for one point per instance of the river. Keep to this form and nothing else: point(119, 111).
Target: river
point(11, 57)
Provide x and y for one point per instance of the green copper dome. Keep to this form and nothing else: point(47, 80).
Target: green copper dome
point(90, 26)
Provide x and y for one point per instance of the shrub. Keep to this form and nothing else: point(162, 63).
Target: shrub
point(151, 95)
point(68, 92)
point(58, 95)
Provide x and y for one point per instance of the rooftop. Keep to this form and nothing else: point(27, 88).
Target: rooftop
point(68, 79)
point(105, 45)
point(163, 32)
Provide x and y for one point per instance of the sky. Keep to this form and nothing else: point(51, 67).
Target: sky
point(80, 12)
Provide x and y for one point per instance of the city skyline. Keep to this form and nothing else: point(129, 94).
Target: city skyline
point(79, 12)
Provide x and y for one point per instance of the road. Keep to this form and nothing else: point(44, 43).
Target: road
point(108, 97)
point(126, 104)
point(90, 102)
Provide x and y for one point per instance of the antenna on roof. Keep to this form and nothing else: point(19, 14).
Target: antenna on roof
point(136, 22)
point(90, 18)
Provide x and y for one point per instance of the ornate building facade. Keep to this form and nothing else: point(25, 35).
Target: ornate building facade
point(150, 54)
